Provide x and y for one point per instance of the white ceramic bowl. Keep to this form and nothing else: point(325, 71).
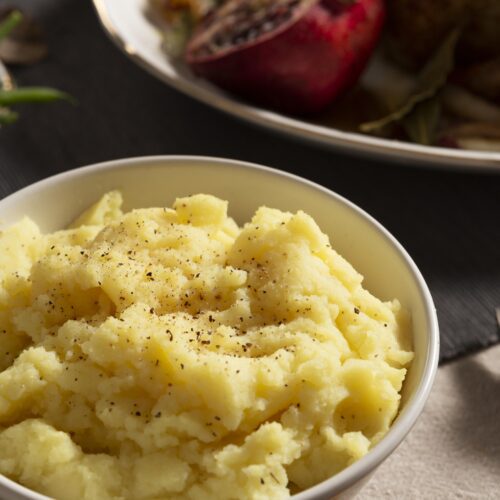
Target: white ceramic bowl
point(156, 181)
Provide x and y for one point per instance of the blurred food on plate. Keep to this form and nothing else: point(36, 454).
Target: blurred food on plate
point(426, 72)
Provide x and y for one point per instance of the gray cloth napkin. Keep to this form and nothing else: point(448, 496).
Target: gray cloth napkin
point(454, 450)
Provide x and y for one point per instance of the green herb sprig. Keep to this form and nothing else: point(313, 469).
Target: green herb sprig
point(10, 97)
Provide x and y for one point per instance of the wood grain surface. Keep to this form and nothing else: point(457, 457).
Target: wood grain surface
point(448, 221)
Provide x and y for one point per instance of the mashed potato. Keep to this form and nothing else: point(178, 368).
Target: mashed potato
point(167, 353)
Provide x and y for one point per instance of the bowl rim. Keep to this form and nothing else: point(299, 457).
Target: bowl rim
point(404, 423)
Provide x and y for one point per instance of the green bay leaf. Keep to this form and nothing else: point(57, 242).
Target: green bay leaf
point(430, 80)
point(422, 123)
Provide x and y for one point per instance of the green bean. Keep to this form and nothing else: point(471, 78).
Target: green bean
point(13, 19)
point(32, 94)
point(9, 97)
point(7, 116)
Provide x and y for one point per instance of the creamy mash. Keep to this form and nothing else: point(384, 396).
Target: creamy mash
point(167, 353)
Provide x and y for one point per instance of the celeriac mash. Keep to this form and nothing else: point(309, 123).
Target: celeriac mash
point(167, 353)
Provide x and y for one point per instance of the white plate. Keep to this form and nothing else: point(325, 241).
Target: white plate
point(127, 25)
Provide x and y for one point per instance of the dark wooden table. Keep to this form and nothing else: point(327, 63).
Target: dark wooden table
point(448, 221)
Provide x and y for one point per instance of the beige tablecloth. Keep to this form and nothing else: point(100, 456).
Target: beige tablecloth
point(454, 450)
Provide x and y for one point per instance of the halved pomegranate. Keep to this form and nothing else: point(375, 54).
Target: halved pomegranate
point(295, 56)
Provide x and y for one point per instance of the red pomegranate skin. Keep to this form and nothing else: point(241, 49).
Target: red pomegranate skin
point(305, 66)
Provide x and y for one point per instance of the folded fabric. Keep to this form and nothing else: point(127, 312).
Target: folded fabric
point(454, 450)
